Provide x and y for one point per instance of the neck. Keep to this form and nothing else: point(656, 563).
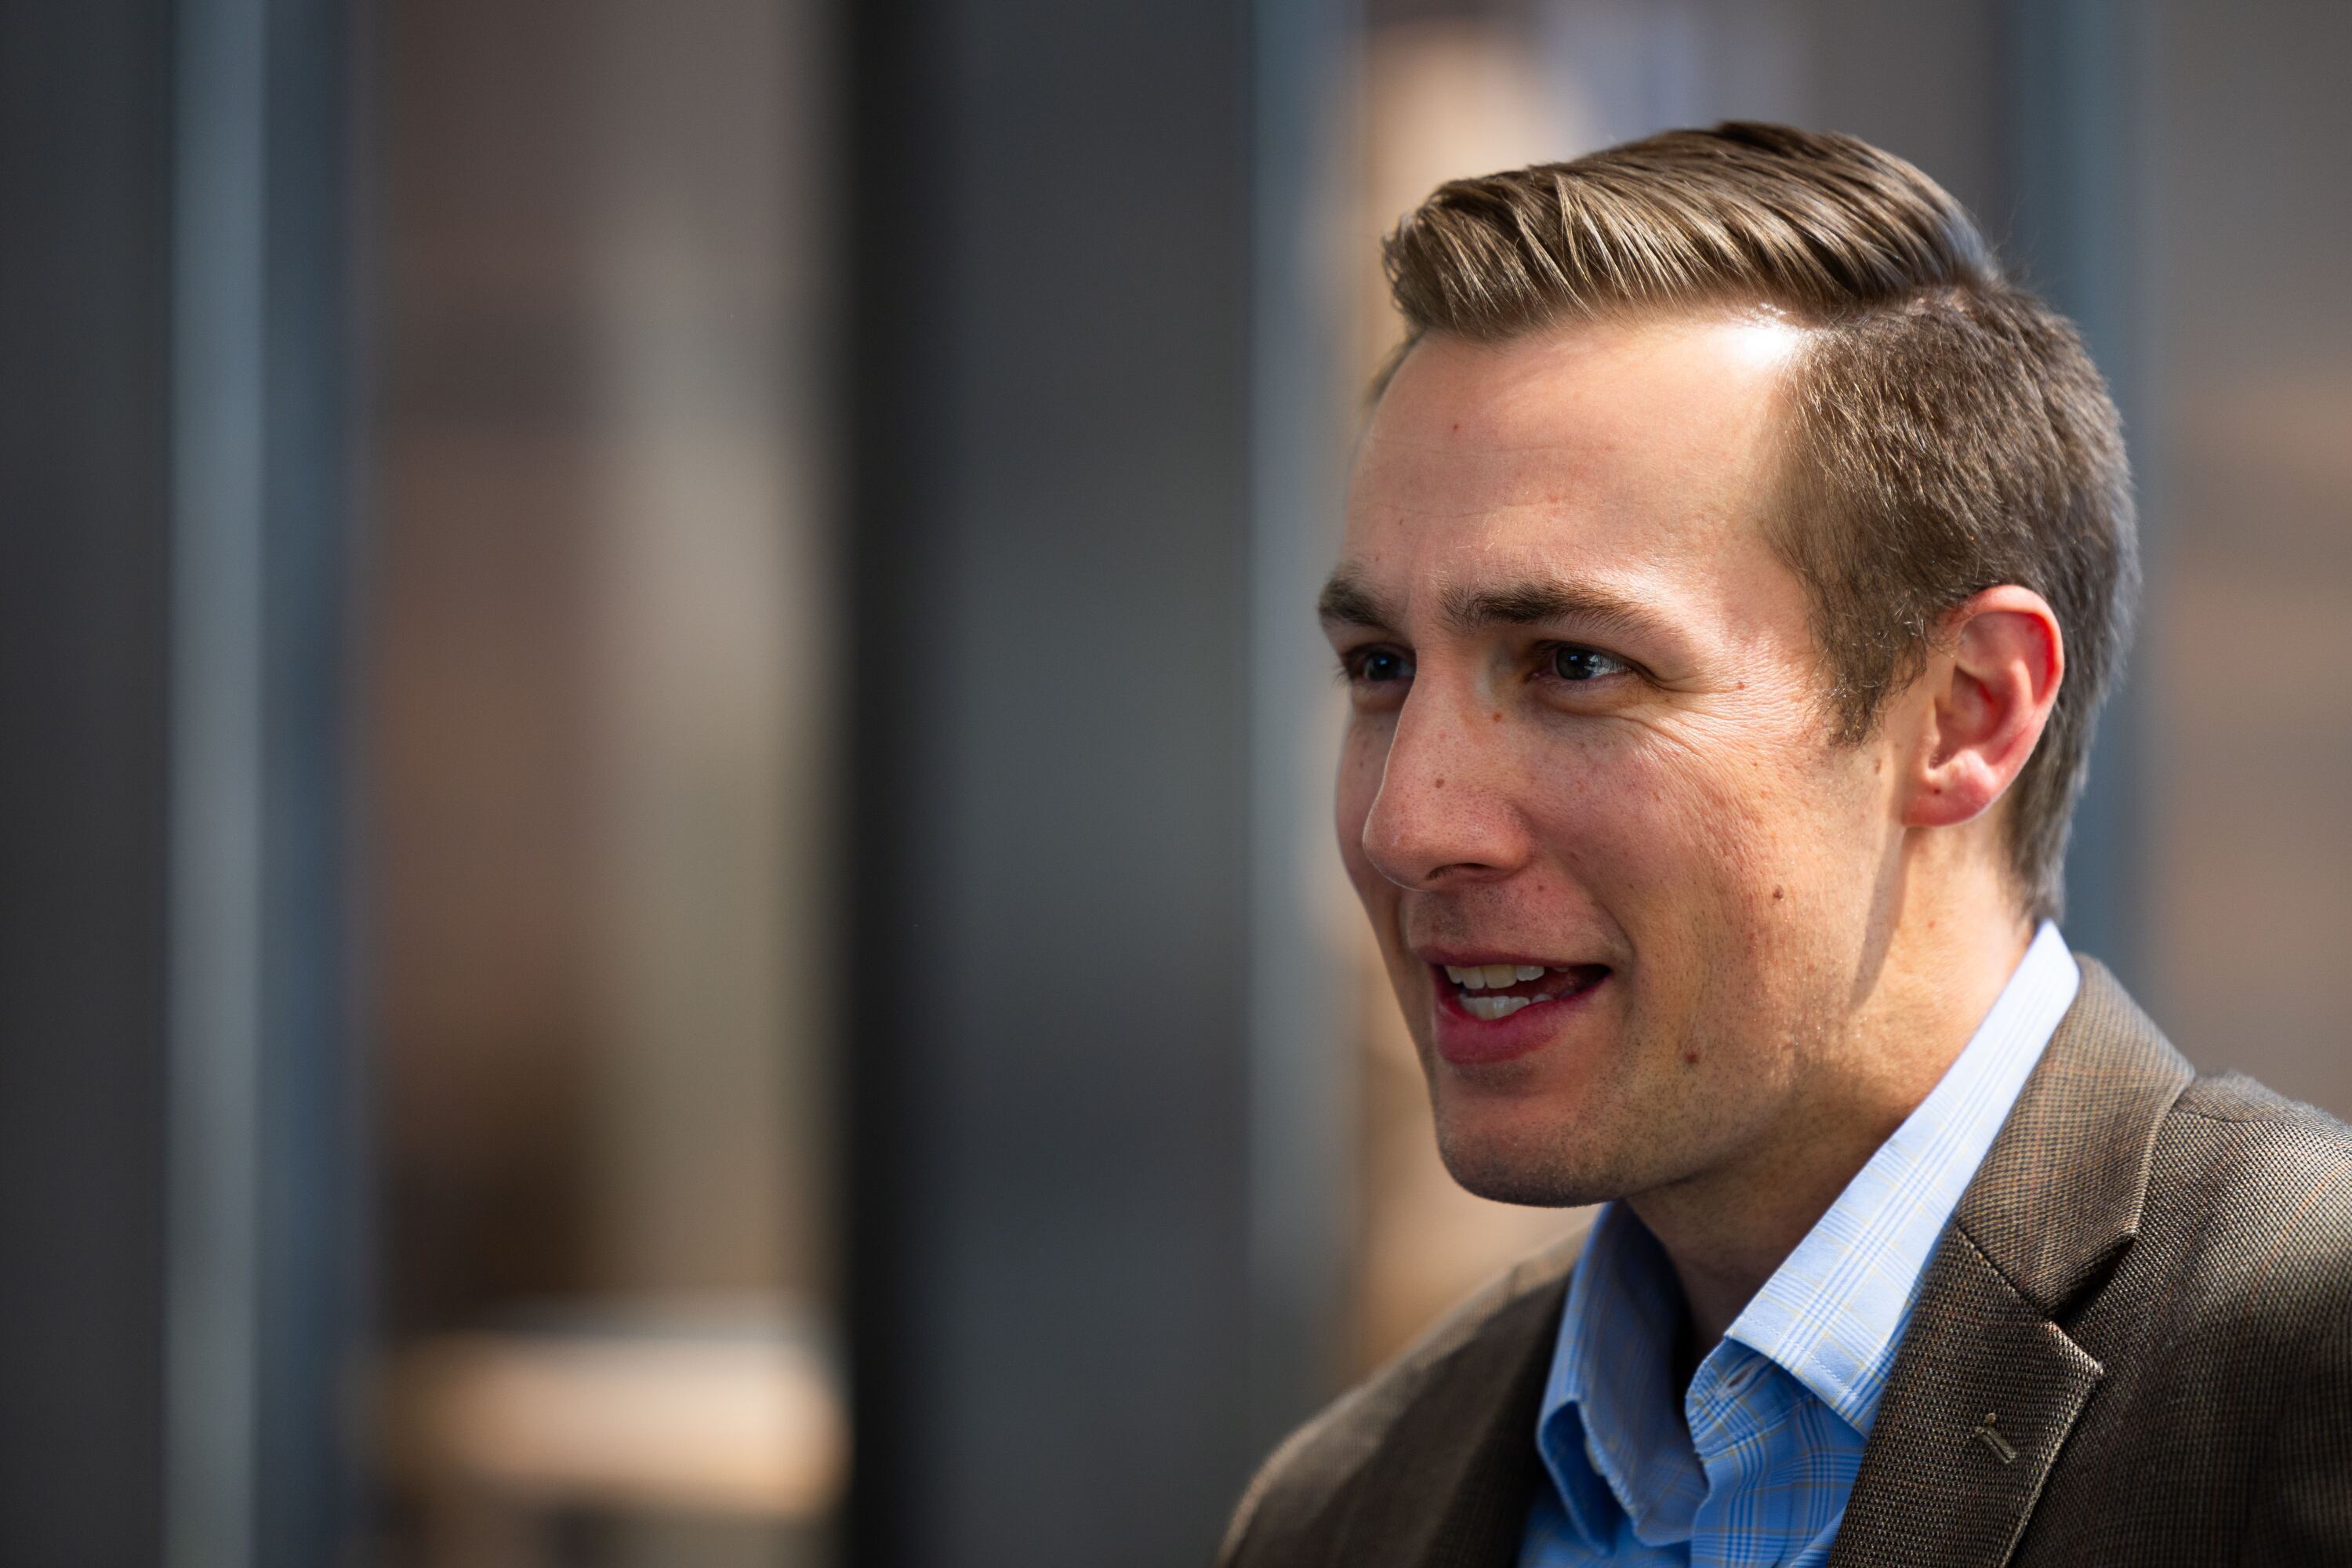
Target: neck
point(1726, 1229)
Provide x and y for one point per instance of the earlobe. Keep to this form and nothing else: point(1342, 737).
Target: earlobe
point(1990, 690)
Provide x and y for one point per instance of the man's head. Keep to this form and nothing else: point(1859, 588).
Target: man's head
point(1713, 556)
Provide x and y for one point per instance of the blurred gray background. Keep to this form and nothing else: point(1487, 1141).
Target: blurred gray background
point(665, 889)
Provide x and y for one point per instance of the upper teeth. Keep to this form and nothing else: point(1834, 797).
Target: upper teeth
point(1483, 976)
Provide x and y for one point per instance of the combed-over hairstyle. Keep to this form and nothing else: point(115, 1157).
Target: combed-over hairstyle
point(1948, 431)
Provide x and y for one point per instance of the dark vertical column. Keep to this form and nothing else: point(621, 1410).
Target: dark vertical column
point(2075, 66)
point(173, 339)
point(85, 207)
point(1046, 984)
point(1304, 1105)
point(313, 1219)
point(264, 1229)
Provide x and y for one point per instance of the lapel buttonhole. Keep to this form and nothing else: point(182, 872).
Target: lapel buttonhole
point(1987, 1433)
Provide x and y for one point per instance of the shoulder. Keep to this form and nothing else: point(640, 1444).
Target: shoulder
point(2263, 1185)
point(2239, 1157)
point(2240, 1198)
point(1296, 1494)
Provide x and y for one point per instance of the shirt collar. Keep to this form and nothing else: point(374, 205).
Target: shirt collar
point(1834, 1312)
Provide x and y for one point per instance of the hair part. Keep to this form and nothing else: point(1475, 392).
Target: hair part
point(1948, 432)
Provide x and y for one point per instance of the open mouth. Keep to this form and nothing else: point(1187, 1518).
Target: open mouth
point(1493, 992)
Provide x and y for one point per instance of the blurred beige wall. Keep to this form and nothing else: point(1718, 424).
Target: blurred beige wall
point(603, 692)
point(713, 628)
point(603, 742)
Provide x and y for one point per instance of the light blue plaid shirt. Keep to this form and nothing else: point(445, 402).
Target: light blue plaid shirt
point(1752, 1466)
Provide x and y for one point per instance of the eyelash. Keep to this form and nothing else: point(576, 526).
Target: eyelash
point(1547, 661)
point(1352, 662)
point(1551, 652)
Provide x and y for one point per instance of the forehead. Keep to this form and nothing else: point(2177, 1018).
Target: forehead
point(1634, 455)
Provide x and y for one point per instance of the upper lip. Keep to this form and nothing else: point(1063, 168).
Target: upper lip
point(1464, 957)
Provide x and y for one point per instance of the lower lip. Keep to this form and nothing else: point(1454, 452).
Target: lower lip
point(1469, 1041)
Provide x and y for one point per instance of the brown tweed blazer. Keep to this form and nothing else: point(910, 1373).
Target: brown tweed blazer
point(2133, 1346)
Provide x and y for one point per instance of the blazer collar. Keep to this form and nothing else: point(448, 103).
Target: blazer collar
point(1987, 1386)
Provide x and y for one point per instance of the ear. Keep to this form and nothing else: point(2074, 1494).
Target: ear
point(1983, 700)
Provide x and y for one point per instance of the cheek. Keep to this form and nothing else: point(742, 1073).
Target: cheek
point(1749, 865)
point(1679, 843)
point(1621, 808)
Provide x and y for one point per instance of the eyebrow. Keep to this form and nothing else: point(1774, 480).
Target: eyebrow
point(1347, 601)
point(1541, 601)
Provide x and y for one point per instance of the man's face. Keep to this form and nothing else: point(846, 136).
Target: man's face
point(1588, 745)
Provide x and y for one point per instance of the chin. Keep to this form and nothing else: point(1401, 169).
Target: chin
point(1534, 1168)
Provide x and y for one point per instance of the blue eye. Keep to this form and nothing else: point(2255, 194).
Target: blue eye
point(1571, 662)
point(1379, 665)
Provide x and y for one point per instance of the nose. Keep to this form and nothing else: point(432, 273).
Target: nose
point(1444, 816)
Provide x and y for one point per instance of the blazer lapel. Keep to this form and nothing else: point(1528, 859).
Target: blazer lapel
point(1987, 1386)
point(1983, 1393)
point(1452, 1487)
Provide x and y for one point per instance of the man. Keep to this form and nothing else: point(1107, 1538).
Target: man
point(1735, 563)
